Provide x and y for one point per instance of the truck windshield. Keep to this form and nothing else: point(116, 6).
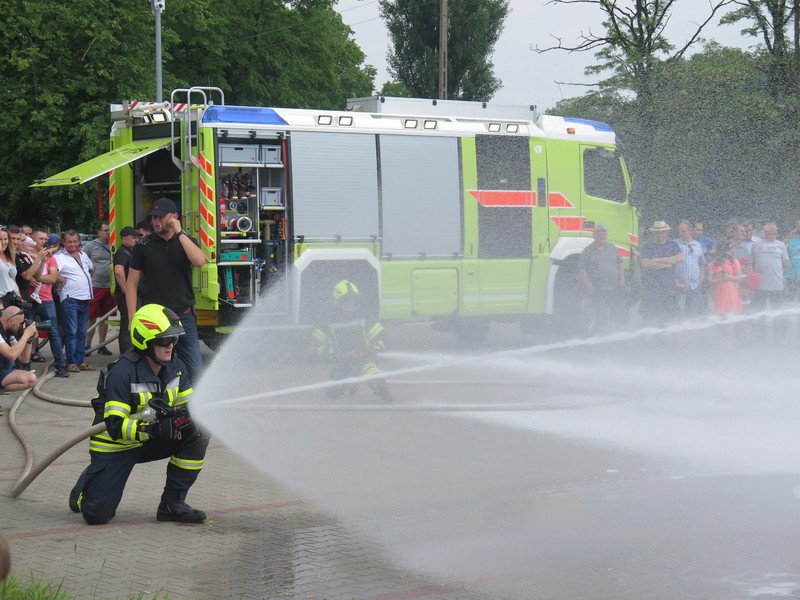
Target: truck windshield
point(603, 176)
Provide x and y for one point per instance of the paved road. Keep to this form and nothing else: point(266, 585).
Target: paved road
point(625, 477)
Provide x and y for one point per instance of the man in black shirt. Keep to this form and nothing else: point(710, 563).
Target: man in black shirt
point(122, 257)
point(163, 262)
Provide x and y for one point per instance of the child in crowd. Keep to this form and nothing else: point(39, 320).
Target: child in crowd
point(725, 273)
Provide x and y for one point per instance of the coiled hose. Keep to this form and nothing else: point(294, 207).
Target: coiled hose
point(29, 472)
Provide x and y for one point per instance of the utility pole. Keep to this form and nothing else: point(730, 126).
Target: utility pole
point(157, 6)
point(443, 49)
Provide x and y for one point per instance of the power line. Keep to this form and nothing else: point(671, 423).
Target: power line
point(425, 3)
point(359, 6)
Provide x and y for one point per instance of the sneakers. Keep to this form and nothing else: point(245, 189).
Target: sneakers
point(73, 369)
point(85, 367)
point(61, 373)
point(37, 357)
point(179, 511)
point(104, 351)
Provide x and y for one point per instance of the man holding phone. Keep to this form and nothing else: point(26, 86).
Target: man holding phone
point(163, 262)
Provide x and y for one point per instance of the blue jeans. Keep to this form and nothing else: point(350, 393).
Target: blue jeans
point(46, 311)
point(188, 347)
point(76, 322)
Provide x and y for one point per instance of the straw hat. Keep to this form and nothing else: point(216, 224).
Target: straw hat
point(660, 226)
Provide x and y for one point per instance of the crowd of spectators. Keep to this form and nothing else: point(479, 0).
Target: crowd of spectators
point(748, 268)
point(46, 278)
point(66, 286)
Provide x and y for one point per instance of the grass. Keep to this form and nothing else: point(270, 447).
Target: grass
point(13, 589)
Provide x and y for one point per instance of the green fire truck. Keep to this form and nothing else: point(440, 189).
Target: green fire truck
point(459, 211)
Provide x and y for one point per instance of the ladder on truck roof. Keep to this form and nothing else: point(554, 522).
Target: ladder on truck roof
point(188, 139)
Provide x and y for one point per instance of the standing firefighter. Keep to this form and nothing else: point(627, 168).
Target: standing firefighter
point(148, 378)
point(350, 342)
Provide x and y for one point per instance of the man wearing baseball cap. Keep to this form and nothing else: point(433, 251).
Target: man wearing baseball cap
point(163, 262)
point(122, 258)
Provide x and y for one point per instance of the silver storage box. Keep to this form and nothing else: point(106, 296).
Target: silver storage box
point(238, 153)
point(270, 197)
point(271, 155)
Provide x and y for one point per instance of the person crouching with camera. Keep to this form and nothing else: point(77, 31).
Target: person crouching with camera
point(17, 337)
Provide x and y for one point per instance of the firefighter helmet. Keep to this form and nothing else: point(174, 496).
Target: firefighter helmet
point(151, 322)
point(344, 288)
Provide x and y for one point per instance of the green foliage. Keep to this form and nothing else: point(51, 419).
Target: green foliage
point(474, 28)
point(723, 146)
point(69, 60)
point(13, 589)
point(395, 89)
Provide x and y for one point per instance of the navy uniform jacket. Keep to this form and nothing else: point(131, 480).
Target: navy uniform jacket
point(123, 389)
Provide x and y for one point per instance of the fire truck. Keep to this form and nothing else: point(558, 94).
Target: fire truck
point(458, 211)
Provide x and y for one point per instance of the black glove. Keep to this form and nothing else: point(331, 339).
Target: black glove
point(164, 409)
point(161, 429)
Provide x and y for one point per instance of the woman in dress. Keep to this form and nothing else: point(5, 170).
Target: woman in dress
point(724, 273)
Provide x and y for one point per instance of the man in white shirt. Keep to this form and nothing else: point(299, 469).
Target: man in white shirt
point(76, 268)
point(690, 272)
point(770, 258)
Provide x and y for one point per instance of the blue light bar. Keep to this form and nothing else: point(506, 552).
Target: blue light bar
point(250, 115)
point(598, 125)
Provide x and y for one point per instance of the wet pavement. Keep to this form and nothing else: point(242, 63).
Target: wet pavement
point(603, 489)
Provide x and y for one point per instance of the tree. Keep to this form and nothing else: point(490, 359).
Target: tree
point(396, 90)
point(69, 60)
point(474, 27)
point(635, 48)
point(723, 145)
point(769, 20)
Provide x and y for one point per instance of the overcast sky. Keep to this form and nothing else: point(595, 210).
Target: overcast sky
point(529, 78)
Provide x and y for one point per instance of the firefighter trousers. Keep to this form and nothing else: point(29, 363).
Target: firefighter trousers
point(344, 369)
point(99, 489)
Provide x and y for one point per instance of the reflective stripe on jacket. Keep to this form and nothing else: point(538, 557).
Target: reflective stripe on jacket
point(123, 389)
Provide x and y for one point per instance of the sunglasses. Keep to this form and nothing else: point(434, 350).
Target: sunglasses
point(167, 341)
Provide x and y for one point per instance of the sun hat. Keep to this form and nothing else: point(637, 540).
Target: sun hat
point(660, 226)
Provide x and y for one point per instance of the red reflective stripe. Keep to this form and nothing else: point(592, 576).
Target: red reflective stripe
point(570, 223)
point(206, 164)
point(207, 215)
point(205, 239)
point(558, 200)
point(206, 190)
point(633, 238)
point(624, 252)
point(504, 197)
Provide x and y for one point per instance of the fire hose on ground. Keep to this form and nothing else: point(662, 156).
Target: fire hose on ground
point(31, 472)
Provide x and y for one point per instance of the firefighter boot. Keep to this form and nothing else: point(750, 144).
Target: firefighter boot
point(380, 388)
point(77, 490)
point(179, 511)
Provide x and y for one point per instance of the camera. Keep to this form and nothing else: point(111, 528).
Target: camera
point(42, 326)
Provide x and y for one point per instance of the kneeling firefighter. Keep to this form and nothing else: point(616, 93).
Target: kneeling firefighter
point(351, 342)
point(147, 379)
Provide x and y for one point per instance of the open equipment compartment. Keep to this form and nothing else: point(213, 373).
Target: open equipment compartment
point(252, 218)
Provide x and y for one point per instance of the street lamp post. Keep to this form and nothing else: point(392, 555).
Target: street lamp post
point(157, 6)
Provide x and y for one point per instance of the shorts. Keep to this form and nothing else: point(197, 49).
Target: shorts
point(6, 368)
point(101, 303)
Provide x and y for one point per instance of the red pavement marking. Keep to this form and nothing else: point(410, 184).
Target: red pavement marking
point(454, 586)
point(118, 524)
